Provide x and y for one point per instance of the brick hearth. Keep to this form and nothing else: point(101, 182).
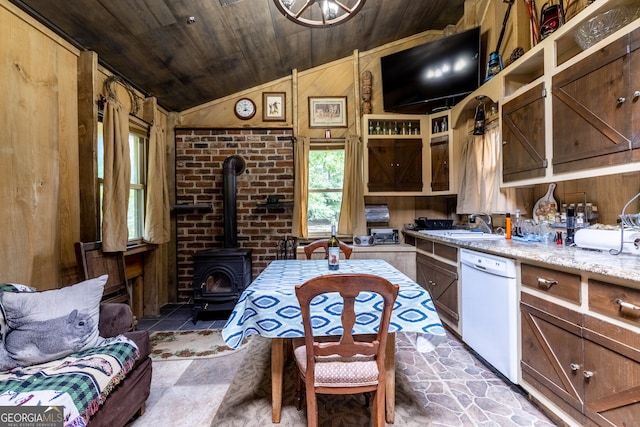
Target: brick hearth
point(268, 154)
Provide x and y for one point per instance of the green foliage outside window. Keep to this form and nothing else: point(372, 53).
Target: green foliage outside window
point(326, 177)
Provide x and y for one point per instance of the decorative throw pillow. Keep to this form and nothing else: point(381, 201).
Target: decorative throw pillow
point(9, 287)
point(48, 325)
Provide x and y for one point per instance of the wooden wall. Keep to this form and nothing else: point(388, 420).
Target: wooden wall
point(39, 153)
point(48, 119)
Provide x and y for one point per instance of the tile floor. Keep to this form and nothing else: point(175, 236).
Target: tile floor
point(456, 388)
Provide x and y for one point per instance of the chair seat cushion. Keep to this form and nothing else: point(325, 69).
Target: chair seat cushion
point(337, 371)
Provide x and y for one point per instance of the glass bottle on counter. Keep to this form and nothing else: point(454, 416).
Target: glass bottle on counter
point(517, 224)
point(571, 226)
point(588, 211)
point(333, 247)
point(507, 226)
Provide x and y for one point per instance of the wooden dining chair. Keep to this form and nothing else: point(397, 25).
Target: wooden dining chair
point(93, 262)
point(346, 365)
point(323, 243)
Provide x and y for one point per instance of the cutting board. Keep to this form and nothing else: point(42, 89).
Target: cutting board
point(542, 206)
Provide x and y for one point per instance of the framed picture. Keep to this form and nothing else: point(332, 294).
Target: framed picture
point(328, 112)
point(273, 107)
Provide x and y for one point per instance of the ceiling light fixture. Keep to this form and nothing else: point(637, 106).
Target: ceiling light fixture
point(328, 12)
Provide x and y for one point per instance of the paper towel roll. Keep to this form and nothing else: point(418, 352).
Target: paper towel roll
point(608, 239)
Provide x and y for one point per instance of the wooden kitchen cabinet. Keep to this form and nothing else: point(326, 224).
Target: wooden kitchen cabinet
point(587, 365)
point(595, 108)
point(409, 155)
point(551, 338)
point(523, 134)
point(441, 280)
point(395, 165)
point(440, 163)
point(552, 282)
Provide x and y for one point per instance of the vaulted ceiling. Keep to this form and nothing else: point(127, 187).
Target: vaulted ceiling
point(233, 45)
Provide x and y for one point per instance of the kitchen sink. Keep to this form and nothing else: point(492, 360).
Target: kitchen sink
point(463, 234)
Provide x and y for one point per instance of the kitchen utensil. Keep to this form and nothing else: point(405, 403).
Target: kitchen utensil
point(542, 206)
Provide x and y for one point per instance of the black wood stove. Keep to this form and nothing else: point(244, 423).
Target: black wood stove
point(221, 275)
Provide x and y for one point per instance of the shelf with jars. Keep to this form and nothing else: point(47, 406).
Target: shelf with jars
point(393, 126)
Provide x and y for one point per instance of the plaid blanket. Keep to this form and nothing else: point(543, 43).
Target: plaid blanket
point(80, 382)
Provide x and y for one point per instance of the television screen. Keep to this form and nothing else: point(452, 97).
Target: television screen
point(432, 76)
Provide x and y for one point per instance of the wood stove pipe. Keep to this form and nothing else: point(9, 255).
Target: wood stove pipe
point(231, 167)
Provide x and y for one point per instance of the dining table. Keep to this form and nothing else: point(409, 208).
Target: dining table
point(269, 307)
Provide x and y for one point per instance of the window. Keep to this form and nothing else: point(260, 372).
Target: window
point(138, 150)
point(326, 177)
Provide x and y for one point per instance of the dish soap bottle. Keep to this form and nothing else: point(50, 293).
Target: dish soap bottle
point(333, 247)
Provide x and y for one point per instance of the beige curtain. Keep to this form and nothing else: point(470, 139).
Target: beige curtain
point(157, 228)
point(300, 186)
point(117, 177)
point(479, 189)
point(352, 215)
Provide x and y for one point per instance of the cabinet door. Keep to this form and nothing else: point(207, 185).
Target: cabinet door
point(523, 124)
point(611, 373)
point(591, 123)
point(552, 353)
point(408, 160)
point(634, 92)
point(440, 163)
point(381, 165)
point(441, 280)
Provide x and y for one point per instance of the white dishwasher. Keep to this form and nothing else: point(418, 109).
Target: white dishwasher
point(490, 309)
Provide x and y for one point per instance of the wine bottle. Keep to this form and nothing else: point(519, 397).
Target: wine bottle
point(334, 250)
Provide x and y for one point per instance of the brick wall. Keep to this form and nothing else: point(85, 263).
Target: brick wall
point(200, 153)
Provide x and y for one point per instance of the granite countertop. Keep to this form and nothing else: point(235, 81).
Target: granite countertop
point(623, 266)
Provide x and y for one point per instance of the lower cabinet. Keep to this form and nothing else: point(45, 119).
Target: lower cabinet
point(441, 280)
point(588, 367)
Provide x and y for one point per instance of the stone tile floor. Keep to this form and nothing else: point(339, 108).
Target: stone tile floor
point(456, 388)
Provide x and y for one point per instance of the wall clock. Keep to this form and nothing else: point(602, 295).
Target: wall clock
point(245, 108)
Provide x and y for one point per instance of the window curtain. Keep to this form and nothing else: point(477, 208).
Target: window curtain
point(480, 176)
point(117, 177)
point(157, 228)
point(300, 187)
point(352, 215)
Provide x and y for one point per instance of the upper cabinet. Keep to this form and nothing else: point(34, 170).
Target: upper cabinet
point(523, 130)
point(569, 113)
point(408, 155)
point(394, 154)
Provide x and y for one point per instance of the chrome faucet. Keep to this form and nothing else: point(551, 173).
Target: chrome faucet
point(486, 226)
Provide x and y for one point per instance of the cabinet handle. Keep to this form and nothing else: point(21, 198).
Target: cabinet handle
point(574, 367)
point(587, 374)
point(546, 283)
point(621, 100)
point(628, 305)
point(636, 94)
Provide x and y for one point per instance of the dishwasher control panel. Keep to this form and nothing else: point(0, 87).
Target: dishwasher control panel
point(489, 263)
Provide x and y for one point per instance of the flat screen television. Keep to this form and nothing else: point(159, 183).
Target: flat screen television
point(433, 76)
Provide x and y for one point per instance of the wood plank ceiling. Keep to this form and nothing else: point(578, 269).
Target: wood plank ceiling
point(233, 44)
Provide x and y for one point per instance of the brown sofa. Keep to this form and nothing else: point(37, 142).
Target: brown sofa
point(128, 398)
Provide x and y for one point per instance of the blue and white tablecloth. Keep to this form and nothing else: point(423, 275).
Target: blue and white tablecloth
point(269, 306)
